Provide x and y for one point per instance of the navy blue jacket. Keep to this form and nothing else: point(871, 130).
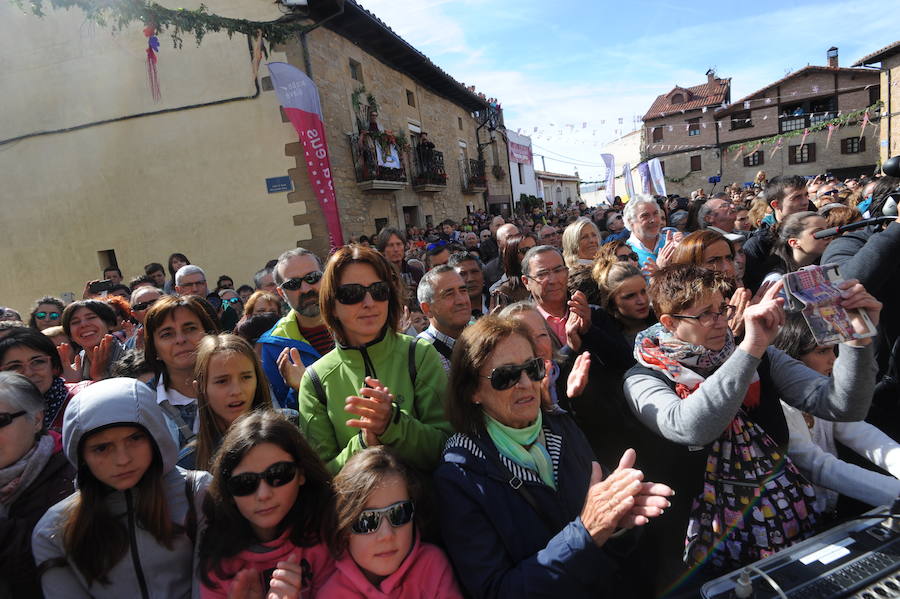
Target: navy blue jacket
point(499, 545)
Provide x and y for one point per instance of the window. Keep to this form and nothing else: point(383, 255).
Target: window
point(678, 99)
point(853, 145)
point(795, 117)
point(741, 120)
point(356, 71)
point(521, 173)
point(107, 259)
point(804, 155)
point(380, 223)
point(459, 122)
point(695, 163)
point(693, 127)
point(754, 159)
point(657, 133)
point(874, 94)
point(411, 98)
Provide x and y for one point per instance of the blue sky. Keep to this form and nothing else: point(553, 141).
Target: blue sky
point(568, 62)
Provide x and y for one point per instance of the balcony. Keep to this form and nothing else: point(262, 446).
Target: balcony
point(429, 174)
point(473, 176)
point(798, 122)
point(379, 166)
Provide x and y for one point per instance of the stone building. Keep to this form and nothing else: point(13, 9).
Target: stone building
point(98, 172)
point(798, 101)
point(680, 130)
point(558, 189)
point(889, 60)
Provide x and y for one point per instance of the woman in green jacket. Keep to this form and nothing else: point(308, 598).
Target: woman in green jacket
point(377, 387)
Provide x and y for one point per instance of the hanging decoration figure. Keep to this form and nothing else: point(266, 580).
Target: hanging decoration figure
point(152, 51)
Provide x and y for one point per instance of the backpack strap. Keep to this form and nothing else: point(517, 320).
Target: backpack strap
point(190, 522)
point(317, 385)
point(412, 360)
point(443, 349)
point(186, 432)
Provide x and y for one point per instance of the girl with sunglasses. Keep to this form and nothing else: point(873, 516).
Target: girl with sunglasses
point(229, 382)
point(377, 386)
point(46, 313)
point(376, 542)
point(129, 529)
point(267, 507)
point(524, 508)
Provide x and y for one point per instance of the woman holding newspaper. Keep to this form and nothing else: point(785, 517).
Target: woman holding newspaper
point(722, 444)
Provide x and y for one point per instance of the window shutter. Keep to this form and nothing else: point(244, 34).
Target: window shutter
point(812, 152)
point(762, 158)
point(844, 144)
point(792, 154)
point(862, 144)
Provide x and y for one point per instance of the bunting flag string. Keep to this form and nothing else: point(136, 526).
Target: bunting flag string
point(152, 51)
point(739, 154)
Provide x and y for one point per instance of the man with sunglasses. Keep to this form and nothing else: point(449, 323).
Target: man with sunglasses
point(141, 299)
point(301, 335)
point(444, 299)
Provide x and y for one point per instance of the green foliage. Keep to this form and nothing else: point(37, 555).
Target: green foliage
point(178, 22)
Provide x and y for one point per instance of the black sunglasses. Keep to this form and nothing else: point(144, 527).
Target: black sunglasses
point(627, 257)
point(7, 418)
point(143, 305)
point(398, 514)
point(276, 475)
point(353, 293)
point(311, 278)
point(43, 315)
point(506, 377)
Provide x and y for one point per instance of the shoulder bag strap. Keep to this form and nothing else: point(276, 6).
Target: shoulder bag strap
point(412, 360)
point(317, 385)
point(175, 415)
point(190, 522)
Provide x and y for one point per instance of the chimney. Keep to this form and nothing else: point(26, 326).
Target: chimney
point(711, 76)
point(832, 55)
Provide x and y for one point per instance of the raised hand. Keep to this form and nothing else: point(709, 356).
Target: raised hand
point(763, 321)
point(291, 367)
point(287, 579)
point(578, 377)
point(668, 248)
point(374, 406)
point(649, 268)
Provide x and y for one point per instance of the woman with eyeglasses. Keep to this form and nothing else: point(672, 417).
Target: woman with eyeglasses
point(262, 301)
point(510, 288)
point(524, 508)
point(46, 313)
point(34, 475)
point(130, 527)
point(715, 430)
point(34, 356)
point(377, 540)
point(267, 509)
point(377, 386)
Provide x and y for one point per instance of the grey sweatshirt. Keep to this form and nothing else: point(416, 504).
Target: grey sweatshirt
point(700, 418)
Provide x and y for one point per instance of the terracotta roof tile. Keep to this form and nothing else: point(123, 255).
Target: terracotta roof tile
point(876, 56)
point(708, 94)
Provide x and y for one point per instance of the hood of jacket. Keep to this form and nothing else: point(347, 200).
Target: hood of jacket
point(119, 401)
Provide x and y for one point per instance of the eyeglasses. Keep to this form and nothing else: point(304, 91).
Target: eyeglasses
point(833, 192)
point(626, 257)
point(436, 245)
point(310, 278)
point(353, 293)
point(199, 283)
point(276, 475)
point(7, 418)
point(709, 318)
point(543, 275)
point(398, 514)
point(44, 315)
point(506, 377)
point(34, 364)
point(233, 300)
point(143, 305)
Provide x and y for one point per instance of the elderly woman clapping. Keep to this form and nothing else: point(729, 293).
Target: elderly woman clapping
point(34, 475)
point(525, 511)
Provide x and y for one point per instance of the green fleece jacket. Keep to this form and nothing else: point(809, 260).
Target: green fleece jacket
point(418, 429)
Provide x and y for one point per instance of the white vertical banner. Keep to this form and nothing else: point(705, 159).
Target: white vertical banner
point(657, 176)
point(610, 162)
point(629, 184)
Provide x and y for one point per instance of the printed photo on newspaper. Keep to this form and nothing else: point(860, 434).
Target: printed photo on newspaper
point(813, 291)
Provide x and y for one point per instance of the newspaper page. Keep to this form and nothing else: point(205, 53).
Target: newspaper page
point(813, 291)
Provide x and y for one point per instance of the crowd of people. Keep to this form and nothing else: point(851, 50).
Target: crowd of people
point(576, 401)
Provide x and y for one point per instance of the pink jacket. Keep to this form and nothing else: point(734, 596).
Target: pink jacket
point(424, 573)
point(316, 562)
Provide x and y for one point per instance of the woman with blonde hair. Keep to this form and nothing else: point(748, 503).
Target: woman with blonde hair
point(580, 241)
point(262, 301)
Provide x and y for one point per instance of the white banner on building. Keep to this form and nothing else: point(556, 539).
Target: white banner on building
point(610, 161)
point(657, 176)
point(629, 183)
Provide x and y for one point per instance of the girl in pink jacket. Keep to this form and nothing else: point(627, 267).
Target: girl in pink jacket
point(266, 508)
point(379, 552)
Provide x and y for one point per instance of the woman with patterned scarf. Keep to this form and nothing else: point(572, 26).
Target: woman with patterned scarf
point(716, 430)
point(31, 353)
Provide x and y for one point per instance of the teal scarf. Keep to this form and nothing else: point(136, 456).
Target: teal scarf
point(511, 442)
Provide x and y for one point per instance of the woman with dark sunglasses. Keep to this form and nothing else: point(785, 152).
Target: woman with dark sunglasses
point(34, 475)
point(377, 386)
point(267, 508)
point(46, 313)
point(377, 540)
point(129, 529)
point(525, 510)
